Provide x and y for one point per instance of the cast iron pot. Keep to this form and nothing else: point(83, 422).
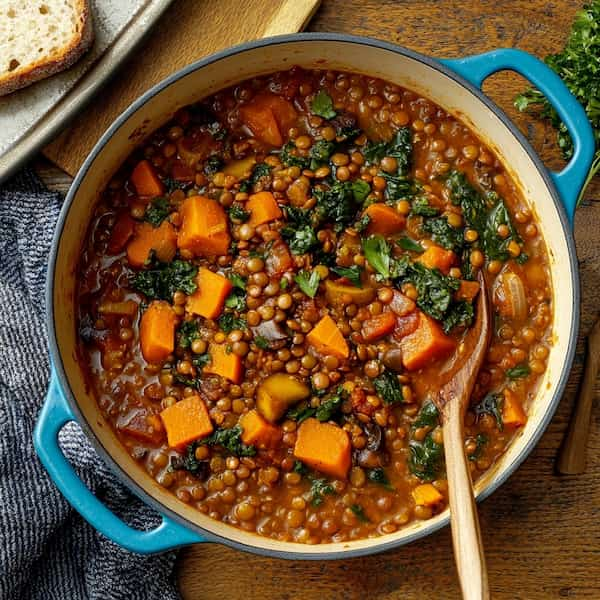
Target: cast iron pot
point(454, 85)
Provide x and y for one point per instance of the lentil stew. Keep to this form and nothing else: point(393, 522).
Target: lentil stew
point(270, 286)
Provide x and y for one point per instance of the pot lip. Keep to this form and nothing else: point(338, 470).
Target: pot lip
point(56, 359)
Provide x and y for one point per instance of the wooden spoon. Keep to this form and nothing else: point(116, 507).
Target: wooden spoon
point(452, 402)
point(571, 459)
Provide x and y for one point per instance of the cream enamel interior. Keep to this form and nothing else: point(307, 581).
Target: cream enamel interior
point(343, 55)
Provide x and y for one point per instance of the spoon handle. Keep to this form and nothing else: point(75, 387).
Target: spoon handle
point(466, 537)
point(571, 459)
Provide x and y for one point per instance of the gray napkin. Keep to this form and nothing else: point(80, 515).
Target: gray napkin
point(47, 551)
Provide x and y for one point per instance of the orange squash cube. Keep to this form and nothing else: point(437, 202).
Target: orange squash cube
point(186, 421)
point(208, 299)
point(327, 338)
point(256, 431)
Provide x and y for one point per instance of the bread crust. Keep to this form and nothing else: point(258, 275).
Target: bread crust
point(60, 61)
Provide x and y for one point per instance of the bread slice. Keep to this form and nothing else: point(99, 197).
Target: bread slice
point(39, 38)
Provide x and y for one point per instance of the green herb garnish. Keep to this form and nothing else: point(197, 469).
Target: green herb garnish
point(407, 243)
point(187, 333)
point(322, 105)
point(308, 282)
point(359, 511)
point(237, 213)
point(378, 476)
point(230, 440)
point(352, 274)
point(518, 371)
point(157, 211)
point(262, 342)
point(490, 405)
point(228, 322)
point(388, 388)
point(377, 252)
point(318, 489)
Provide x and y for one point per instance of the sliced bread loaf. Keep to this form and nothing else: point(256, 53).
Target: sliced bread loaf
point(39, 38)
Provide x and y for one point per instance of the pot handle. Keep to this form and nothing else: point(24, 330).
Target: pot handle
point(475, 69)
point(55, 413)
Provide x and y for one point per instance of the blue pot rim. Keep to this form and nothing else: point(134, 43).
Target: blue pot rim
point(384, 544)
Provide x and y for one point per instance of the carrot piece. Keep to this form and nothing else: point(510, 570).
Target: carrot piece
point(258, 432)
point(467, 290)
point(162, 240)
point(384, 219)
point(513, 414)
point(146, 181)
point(121, 233)
point(228, 365)
point(427, 343)
point(378, 326)
point(186, 421)
point(436, 257)
point(142, 425)
point(279, 260)
point(263, 208)
point(208, 299)
point(328, 339)
point(426, 494)
point(204, 230)
point(157, 331)
point(324, 447)
point(267, 115)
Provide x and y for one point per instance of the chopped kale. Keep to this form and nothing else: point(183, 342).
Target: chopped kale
point(491, 405)
point(187, 333)
point(157, 211)
point(228, 322)
point(426, 458)
point(201, 360)
point(320, 153)
point(322, 105)
point(164, 279)
point(340, 203)
point(400, 148)
point(428, 416)
point(495, 247)
point(459, 313)
point(237, 297)
point(481, 440)
point(230, 440)
point(300, 467)
point(362, 223)
point(238, 214)
point(421, 208)
point(259, 171)
point(398, 187)
point(519, 371)
point(300, 239)
point(189, 462)
point(360, 189)
point(212, 165)
point(328, 408)
point(359, 511)
point(318, 489)
point(378, 476)
point(290, 158)
point(388, 388)
point(444, 234)
point(300, 413)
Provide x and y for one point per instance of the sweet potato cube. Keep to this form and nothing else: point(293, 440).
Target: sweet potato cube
point(263, 208)
point(162, 240)
point(186, 421)
point(141, 424)
point(157, 331)
point(513, 414)
point(146, 181)
point(121, 233)
point(425, 344)
point(426, 494)
point(258, 432)
point(436, 257)
point(204, 230)
point(223, 363)
point(467, 290)
point(267, 116)
point(384, 219)
point(324, 447)
point(208, 299)
point(327, 338)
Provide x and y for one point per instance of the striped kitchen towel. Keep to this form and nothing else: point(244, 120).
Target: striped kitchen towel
point(47, 551)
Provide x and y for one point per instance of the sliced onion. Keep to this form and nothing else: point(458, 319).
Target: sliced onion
point(509, 296)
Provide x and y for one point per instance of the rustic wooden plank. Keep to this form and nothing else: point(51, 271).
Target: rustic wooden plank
point(541, 530)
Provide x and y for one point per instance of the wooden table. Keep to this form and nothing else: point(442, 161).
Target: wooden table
point(541, 530)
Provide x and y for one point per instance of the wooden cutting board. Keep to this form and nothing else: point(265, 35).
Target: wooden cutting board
point(189, 30)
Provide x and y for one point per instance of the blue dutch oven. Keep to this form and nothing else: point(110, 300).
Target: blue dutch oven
point(453, 84)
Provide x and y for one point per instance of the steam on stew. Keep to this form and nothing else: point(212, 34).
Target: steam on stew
point(269, 288)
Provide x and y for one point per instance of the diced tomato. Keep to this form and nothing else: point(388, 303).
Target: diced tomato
point(279, 260)
point(406, 325)
point(141, 424)
point(121, 233)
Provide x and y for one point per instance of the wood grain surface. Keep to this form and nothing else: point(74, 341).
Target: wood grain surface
point(541, 531)
point(189, 30)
